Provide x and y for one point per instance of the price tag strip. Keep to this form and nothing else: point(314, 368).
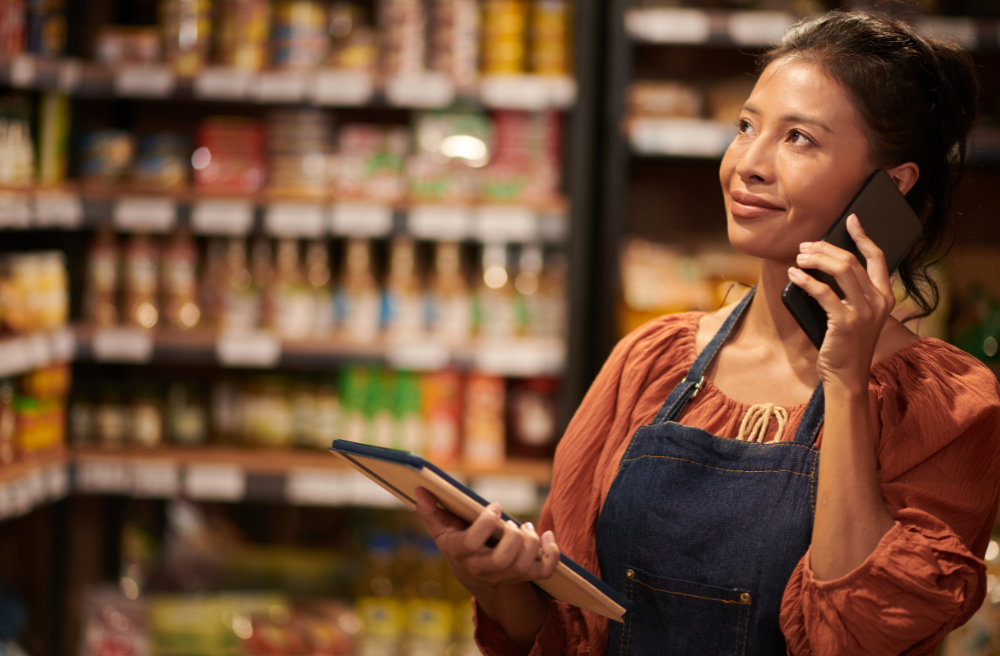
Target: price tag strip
point(417, 355)
point(22, 71)
point(279, 87)
point(361, 219)
point(122, 345)
point(156, 479)
point(426, 90)
point(221, 216)
point(221, 83)
point(516, 494)
point(668, 25)
point(15, 210)
point(525, 92)
point(520, 357)
point(215, 482)
point(145, 214)
point(295, 220)
point(248, 349)
point(104, 476)
point(319, 488)
point(445, 222)
point(680, 136)
point(58, 210)
point(758, 28)
point(343, 88)
point(144, 82)
point(506, 223)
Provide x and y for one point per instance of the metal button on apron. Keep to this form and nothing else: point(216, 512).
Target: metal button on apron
point(629, 574)
point(745, 598)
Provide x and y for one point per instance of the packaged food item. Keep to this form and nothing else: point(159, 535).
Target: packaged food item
point(358, 300)
point(186, 415)
point(147, 419)
point(485, 426)
point(299, 143)
point(369, 162)
point(532, 417)
point(505, 31)
point(495, 300)
point(450, 149)
point(262, 275)
point(266, 413)
point(449, 300)
point(242, 301)
point(47, 27)
point(214, 283)
point(663, 98)
point(404, 294)
point(162, 162)
point(141, 308)
point(352, 40)
point(242, 34)
point(34, 291)
point(294, 301)
point(180, 282)
point(8, 423)
point(403, 36)
point(409, 420)
point(230, 155)
point(320, 284)
point(380, 410)
point(103, 263)
point(40, 423)
point(382, 617)
point(106, 156)
point(49, 381)
point(187, 28)
point(53, 139)
point(326, 418)
point(526, 157)
point(82, 421)
point(455, 42)
point(112, 421)
point(13, 15)
point(17, 151)
point(133, 46)
point(441, 398)
point(429, 610)
point(225, 409)
point(551, 27)
point(354, 384)
point(299, 36)
point(541, 287)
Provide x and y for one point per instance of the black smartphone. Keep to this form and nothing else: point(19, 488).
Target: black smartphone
point(886, 218)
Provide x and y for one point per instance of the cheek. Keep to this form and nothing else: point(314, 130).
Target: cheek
point(728, 168)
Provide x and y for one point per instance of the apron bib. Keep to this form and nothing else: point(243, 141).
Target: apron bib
point(703, 532)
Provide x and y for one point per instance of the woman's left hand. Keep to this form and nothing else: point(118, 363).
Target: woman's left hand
point(855, 322)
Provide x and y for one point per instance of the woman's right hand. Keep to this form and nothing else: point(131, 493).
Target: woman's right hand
point(482, 569)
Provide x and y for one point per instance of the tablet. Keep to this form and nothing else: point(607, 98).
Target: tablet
point(401, 473)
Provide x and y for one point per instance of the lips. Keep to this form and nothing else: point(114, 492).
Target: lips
point(751, 206)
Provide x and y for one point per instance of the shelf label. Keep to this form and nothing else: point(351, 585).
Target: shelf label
point(215, 482)
point(668, 25)
point(103, 476)
point(58, 210)
point(438, 222)
point(417, 355)
point(279, 87)
point(122, 345)
point(680, 137)
point(319, 488)
point(13, 356)
point(69, 76)
point(248, 349)
point(62, 345)
point(294, 220)
point(520, 357)
point(333, 87)
point(758, 28)
point(424, 90)
point(220, 216)
point(56, 481)
point(15, 211)
point(22, 71)
point(144, 81)
point(526, 92)
point(516, 494)
point(221, 83)
point(37, 350)
point(156, 479)
point(505, 223)
point(145, 214)
point(361, 219)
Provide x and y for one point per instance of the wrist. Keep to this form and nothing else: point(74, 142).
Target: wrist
point(846, 390)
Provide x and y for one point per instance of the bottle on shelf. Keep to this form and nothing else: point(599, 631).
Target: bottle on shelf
point(532, 418)
point(241, 303)
point(358, 300)
point(526, 283)
point(494, 296)
point(180, 282)
point(409, 420)
point(141, 282)
point(485, 428)
point(441, 398)
point(214, 284)
point(319, 277)
point(354, 383)
point(291, 297)
point(404, 294)
point(450, 303)
point(262, 275)
point(17, 153)
point(381, 409)
point(378, 605)
point(429, 610)
point(146, 424)
point(186, 415)
point(101, 308)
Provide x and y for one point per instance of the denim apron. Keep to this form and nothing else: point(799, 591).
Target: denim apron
point(702, 532)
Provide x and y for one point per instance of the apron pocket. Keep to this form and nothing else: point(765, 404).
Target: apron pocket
point(670, 616)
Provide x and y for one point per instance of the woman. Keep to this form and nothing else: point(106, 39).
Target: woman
point(740, 488)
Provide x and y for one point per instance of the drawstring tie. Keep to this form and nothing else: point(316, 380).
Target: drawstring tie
point(758, 419)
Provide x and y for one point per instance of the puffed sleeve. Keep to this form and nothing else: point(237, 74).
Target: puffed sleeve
point(652, 357)
point(936, 414)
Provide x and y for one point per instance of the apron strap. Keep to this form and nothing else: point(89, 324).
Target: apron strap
point(812, 420)
point(691, 385)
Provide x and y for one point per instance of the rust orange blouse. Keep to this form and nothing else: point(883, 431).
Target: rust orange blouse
point(936, 412)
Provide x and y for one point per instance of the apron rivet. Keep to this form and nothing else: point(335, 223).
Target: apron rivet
point(744, 598)
point(629, 574)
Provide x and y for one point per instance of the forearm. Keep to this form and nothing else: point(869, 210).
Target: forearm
point(851, 516)
point(518, 608)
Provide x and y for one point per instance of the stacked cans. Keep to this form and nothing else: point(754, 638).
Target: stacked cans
point(242, 33)
point(402, 30)
point(299, 143)
point(299, 35)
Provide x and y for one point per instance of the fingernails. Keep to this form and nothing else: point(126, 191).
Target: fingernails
point(802, 257)
point(510, 523)
point(548, 538)
point(794, 273)
point(805, 244)
point(529, 526)
point(495, 509)
point(853, 219)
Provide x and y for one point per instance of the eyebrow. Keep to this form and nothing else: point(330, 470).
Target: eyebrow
point(792, 118)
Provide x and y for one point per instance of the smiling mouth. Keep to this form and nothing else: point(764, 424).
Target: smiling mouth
point(750, 206)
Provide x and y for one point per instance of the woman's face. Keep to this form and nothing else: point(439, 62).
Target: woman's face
point(799, 157)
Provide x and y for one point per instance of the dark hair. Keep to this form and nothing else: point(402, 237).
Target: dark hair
point(917, 100)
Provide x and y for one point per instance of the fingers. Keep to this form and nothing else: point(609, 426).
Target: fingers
point(481, 530)
point(546, 566)
point(436, 519)
point(877, 268)
point(530, 548)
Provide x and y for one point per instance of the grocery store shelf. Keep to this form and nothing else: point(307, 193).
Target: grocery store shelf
point(333, 88)
point(23, 353)
point(38, 480)
point(511, 357)
point(277, 475)
point(134, 210)
point(677, 26)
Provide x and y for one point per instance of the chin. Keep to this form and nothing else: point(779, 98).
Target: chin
point(751, 238)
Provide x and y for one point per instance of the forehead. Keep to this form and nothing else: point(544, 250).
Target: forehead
point(796, 87)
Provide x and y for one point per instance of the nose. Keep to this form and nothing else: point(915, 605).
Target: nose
point(756, 164)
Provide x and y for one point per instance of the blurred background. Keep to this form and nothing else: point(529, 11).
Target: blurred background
point(232, 231)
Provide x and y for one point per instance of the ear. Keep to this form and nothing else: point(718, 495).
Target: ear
point(905, 176)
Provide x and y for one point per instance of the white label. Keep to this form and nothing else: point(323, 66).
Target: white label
point(219, 83)
point(666, 25)
point(278, 87)
point(366, 492)
point(248, 349)
point(215, 482)
point(361, 219)
point(156, 479)
point(37, 350)
point(13, 358)
point(70, 73)
point(57, 210)
point(103, 476)
point(424, 90)
point(294, 220)
point(562, 90)
point(319, 488)
point(222, 217)
point(758, 28)
point(331, 87)
point(505, 223)
point(122, 345)
point(56, 482)
point(960, 30)
point(15, 211)
point(22, 71)
point(439, 222)
point(145, 214)
point(423, 355)
point(527, 92)
point(681, 137)
point(62, 345)
point(552, 226)
point(144, 81)
point(515, 494)
point(520, 357)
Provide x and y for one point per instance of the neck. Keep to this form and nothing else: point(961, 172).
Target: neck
point(767, 317)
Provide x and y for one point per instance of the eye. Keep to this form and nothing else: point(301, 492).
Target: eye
point(743, 127)
point(797, 137)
